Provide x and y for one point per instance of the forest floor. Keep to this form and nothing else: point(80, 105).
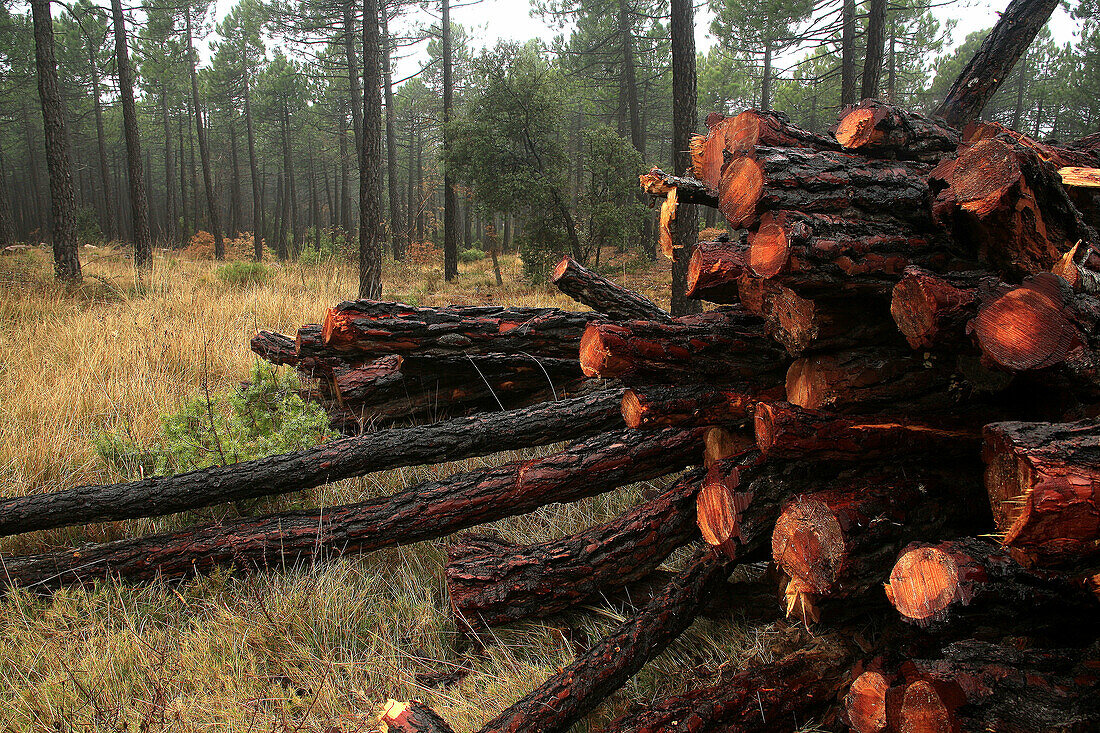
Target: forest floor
point(314, 648)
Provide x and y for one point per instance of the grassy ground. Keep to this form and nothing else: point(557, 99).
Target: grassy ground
point(308, 649)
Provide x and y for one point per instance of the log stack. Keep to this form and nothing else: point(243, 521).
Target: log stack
point(893, 402)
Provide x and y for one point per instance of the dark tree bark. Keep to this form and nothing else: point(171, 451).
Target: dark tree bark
point(868, 379)
point(683, 127)
point(665, 405)
point(992, 64)
point(257, 199)
point(395, 228)
point(848, 53)
point(204, 149)
point(108, 218)
point(450, 203)
point(332, 461)
point(888, 131)
point(492, 582)
point(714, 271)
point(58, 160)
point(603, 295)
point(421, 512)
point(139, 204)
point(876, 39)
point(370, 159)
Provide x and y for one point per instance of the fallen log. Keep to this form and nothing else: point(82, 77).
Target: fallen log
point(604, 296)
point(763, 697)
point(821, 182)
point(865, 703)
point(727, 343)
point(721, 444)
point(784, 431)
point(714, 270)
point(888, 131)
point(448, 441)
point(411, 717)
point(990, 66)
point(425, 511)
point(931, 585)
point(492, 582)
point(869, 379)
point(665, 405)
point(823, 254)
point(358, 383)
point(803, 325)
point(932, 310)
point(375, 328)
point(1043, 481)
point(688, 190)
point(566, 697)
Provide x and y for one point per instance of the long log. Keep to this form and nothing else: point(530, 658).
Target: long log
point(821, 182)
point(822, 254)
point(784, 431)
point(932, 310)
point(425, 511)
point(688, 190)
point(728, 343)
point(603, 295)
point(714, 269)
point(1043, 481)
point(930, 585)
point(666, 405)
point(332, 461)
point(888, 131)
point(566, 697)
point(492, 582)
point(804, 325)
point(763, 697)
point(990, 66)
point(412, 716)
point(869, 379)
point(375, 328)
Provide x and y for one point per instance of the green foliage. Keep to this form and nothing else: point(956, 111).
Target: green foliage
point(87, 226)
point(264, 417)
point(473, 254)
point(244, 274)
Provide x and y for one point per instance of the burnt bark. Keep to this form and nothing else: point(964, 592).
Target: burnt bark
point(603, 295)
point(666, 405)
point(888, 131)
point(714, 270)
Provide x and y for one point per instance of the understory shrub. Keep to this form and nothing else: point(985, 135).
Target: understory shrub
point(473, 254)
point(244, 274)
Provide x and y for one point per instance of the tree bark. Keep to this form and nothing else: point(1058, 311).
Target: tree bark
point(139, 204)
point(603, 295)
point(58, 159)
point(395, 228)
point(876, 38)
point(715, 269)
point(412, 717)
point(992, 64)
point(370, 159)
point(450, 204)
point(887, 131)
point(867, 379)
point(425, 511)
point(932, 310)
point(332, 461)
point(682, 28)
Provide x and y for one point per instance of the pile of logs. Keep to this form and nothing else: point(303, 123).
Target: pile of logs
point(893, 402)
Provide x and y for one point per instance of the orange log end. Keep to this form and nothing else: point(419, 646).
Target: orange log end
point(983, 174)
point(923, 711)
point(808, 544)
point(632, 408)
point(561, 268)
point(923, 583)
point(866, 703)
point(1025, 328)
point(739, 191)
point(769, 250)
point(856, 129)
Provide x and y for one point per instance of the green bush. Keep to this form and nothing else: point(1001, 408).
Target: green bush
point(244, 274)
point(263, 417)
point(471, 255)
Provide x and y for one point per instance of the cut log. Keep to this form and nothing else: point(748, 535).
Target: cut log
point(887, 131)
point(930, 585)
point(714, 270)
point(373, 328)
point(492, 582)
point(821, 254)
point(727, 343)
point(274, 347)
point(425, 511)
point(355, 384)
point(566, 697)
point(821, 182)
point(1080, 267)
point(1043, 481)
point(784, 431)
point(721, 444)
point(688, 190)
point(932, 310)
point(1057, 155)
point(1080, 177)
point(802, 325)
point(991, 65)
point(411, 717)
point(865, 703)
point(1040, 325)
point(978, 685)
point(869, 380)
point(1012, 205)
point(332, 461)
point(763, 697)
point(603, 295)
point(663, 405)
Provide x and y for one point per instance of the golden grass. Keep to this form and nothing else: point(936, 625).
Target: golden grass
point(308, 649)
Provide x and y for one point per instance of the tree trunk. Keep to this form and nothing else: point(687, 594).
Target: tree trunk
point(170, 222)
point(257, 200)
point(666, 405)
point(352, 61)
point(58, 161)
point(682, 30)
point(108, 218)
point(870, 379)
point(370, 159)
point(450, 204)
point(204, 150)
point(714, 271)
point(139, 205)
point(848, 53)
point(876, 39)
point(421, 512)
point(602, 295)
point(766, 78)
point(395, 228)
point(991, 65)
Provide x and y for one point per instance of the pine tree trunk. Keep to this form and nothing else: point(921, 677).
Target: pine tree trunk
point(450, 204)
point(204, 150)
point(139, 205)
point(370, 159)
point(683, 127)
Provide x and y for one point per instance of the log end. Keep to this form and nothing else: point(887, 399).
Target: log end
point(739, 191)
point(697, 148)
point(808, 544)
point(924, 711)
point(633, 409)
point(1025, 328)
point(595, 358)
point(410, 717)
point(983, 174)
point(668, 216)
point(718, 514)
point(857, 129)
point(769, 250)
point(561, 268)
point(765, 425)
point(923, 584)
point(865, 703)
point(744, 132)
point(805, 386)
point(914, 303)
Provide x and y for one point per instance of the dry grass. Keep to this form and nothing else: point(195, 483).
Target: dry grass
point(309, 649)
